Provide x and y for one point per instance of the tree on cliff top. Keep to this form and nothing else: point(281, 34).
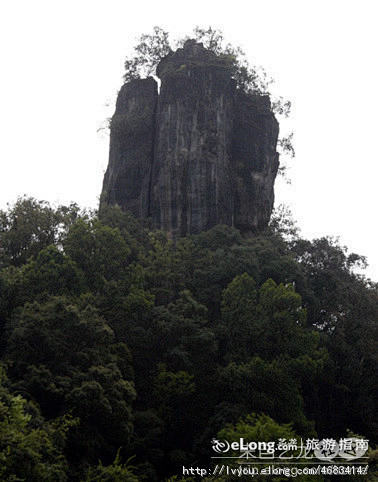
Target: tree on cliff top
point(152, 48)
point(148, 53)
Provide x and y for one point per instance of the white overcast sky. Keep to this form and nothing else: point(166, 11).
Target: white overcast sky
point(62, 62)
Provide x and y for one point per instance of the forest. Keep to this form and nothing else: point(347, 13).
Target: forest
point(124, 354)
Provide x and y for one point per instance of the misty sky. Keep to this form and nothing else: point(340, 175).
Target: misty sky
point(62, 65)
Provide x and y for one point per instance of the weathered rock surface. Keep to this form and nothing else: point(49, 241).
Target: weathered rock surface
point(200, 153)
point(254, 160)
point(132, 133)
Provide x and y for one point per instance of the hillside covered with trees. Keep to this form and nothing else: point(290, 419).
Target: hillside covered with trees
point(117, 343)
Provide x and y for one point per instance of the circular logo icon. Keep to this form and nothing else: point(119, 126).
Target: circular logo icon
point(327, 450)
point(220, 446)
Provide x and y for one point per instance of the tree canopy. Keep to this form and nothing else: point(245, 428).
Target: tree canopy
point(120, 344)
point(152, 48)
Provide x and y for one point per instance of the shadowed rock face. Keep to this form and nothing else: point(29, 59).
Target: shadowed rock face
point(132, 132)
point(200, 153)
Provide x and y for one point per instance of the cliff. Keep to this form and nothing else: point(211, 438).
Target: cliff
point(198, 154)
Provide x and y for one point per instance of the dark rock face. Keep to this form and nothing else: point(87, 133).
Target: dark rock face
point(132, 132)
point(255, 160)
point(199, 154)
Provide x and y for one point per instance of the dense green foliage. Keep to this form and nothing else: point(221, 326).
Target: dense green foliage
point(119, 344)
point(30, 448)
